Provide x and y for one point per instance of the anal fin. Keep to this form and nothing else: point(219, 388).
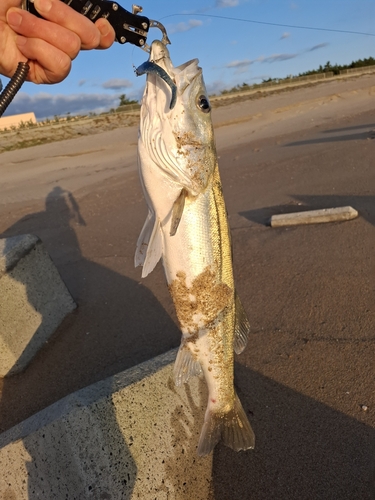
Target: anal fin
point(185, 366)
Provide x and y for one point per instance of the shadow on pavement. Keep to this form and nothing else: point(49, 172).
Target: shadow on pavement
point(118, 323)
point(263, 215)
point(304, 449)
point(108, 333)
point(80, 458)
point(346, 129)
point(359, 136)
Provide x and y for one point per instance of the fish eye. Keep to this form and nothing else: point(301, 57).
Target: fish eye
point(203, 104)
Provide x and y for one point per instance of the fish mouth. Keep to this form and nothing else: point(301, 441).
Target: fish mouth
point(150, 67)
point(160, 64)
point(177, 78)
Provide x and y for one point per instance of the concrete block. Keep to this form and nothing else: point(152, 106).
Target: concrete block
point(314, 216)
point(131, 436)
point(34, 301)
point(6, 122)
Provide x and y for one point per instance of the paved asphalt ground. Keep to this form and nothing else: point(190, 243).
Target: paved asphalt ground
point(307, 377)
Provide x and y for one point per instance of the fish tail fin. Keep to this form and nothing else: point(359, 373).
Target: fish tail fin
point(237, 432)
point(233, 428)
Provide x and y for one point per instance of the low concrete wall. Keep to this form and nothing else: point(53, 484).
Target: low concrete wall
point(358, 71)
point(16, 120)
point(130, 436)
point(34, 301)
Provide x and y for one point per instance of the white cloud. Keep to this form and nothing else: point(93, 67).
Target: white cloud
point(226, 3)
point(196, 11)
point(216, 87)
point(46, 105)
point(243, 65)
point(240, 66)
point(117, 84)
point(181, 27)
point(277, 58)
point(317, 47)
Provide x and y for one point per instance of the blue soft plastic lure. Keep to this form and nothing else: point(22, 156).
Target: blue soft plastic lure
point(151, 67)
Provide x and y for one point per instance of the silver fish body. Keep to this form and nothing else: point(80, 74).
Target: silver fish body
point(187, 228)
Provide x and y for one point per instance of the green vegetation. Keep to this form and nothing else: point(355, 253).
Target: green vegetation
point(124, 100)
point(327, 68)
point(30, 124)
point(336, 68)
point(60, 128)
point(61, 120)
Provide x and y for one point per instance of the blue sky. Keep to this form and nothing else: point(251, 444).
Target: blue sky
point(230, 52)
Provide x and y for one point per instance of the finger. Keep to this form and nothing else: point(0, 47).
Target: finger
point(50, 65)
point(59, 13)
point(10, 56)
point(107, 33)
point(30, 26)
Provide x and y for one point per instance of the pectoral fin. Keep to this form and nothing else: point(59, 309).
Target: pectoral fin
point(149, 245)
point(144, 239)
point(242, 327)
point(177, 210)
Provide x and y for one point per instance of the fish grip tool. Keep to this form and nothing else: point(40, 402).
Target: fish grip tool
point(129, 27)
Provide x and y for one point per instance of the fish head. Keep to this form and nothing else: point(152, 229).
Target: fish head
point(181, 135)
point(191, 119)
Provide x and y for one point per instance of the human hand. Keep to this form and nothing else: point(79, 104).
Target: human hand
point(50, 44)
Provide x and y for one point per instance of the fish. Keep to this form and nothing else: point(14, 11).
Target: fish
point(187, 228)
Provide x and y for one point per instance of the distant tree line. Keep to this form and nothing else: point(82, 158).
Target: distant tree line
point(124, 100)
point(336, 68)
point(328, 67)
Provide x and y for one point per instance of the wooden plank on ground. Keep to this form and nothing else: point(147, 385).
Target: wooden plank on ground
point(314, 216)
